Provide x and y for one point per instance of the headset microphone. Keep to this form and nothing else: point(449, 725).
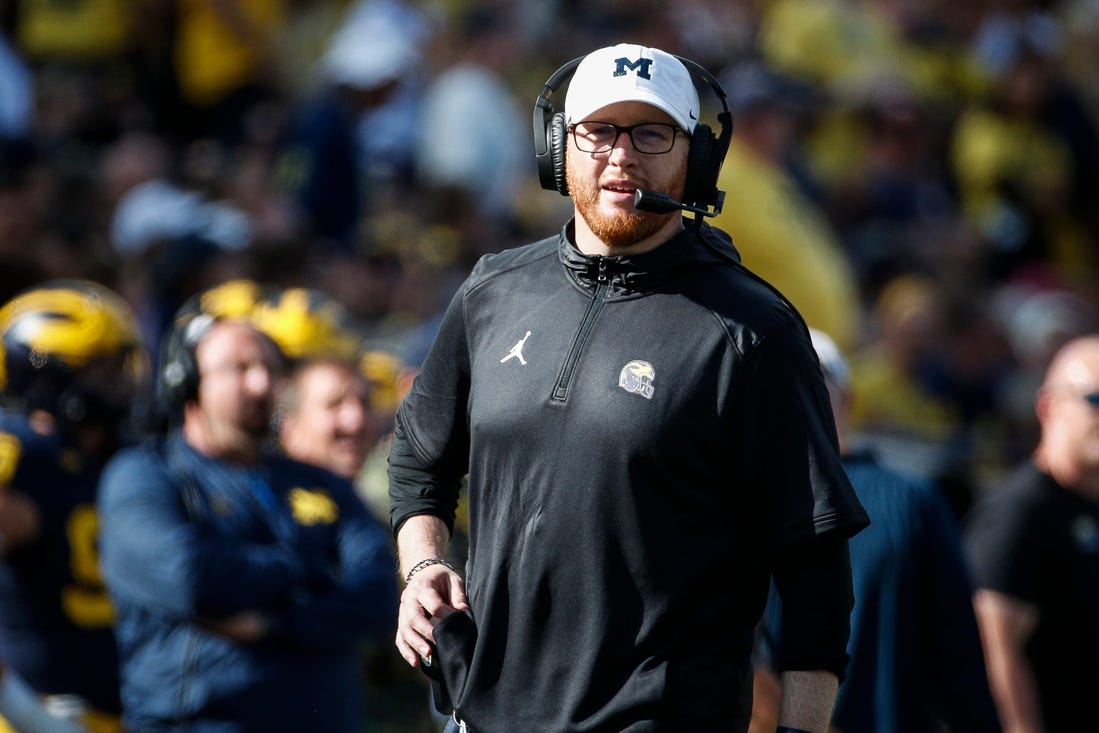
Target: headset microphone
point(662, 203)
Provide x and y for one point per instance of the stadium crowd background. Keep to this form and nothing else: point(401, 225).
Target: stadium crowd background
point(921, 178)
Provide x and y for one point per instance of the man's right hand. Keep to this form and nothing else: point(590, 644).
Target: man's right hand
point(20, 519)
point(431, 595)
point(246, 627)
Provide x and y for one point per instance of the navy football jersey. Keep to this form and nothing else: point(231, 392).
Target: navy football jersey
point(55, 615)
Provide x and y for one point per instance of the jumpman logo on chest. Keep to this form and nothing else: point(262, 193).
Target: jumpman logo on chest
point(517, 351)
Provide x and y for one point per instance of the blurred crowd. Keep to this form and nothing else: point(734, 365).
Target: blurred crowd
point(921, 179)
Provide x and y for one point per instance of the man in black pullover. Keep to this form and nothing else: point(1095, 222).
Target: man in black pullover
point(648, 441)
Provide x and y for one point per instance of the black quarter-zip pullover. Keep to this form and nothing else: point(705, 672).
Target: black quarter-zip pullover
point(642, 435)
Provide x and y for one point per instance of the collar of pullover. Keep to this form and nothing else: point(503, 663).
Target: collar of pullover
point(645, 272)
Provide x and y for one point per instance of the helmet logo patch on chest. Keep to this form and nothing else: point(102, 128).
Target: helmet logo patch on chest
point(637, 377)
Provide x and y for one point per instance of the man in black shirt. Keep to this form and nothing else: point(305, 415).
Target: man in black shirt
point(648, 440)
point(1034, 547)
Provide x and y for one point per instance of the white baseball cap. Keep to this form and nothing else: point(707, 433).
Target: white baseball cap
point(631, 73)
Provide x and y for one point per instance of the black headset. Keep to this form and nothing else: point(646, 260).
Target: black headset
point(178, 378)
point(704, 158)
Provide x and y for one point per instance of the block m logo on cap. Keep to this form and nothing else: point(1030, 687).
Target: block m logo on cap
point(631, 73)
point(641, 66)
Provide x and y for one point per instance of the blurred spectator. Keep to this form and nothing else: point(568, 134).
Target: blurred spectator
point(226, 62)
point(323, 163)
point(841, 44)
point(473, 142)
point(1033, 543)
point(242, 577)
point(1037, 319)
point(72, 361)
point(22, 710)
point(715, 34)
point(75, 30)
point(81, 52)
point(326, 416)
point(848, 49)
point(889, 394)
point(1081, 47)
point(894, 209)
point(49, 220)
point(780, 232)
point(331, 413)
point(170, 227)
point(903, 403)
point(324, 410)
point(1026, 158)
point(303, 40)
point(928, 387)
point(16, 92)
point(387, 133)
point(160, 209)
point(916, 659)
point(20, 165)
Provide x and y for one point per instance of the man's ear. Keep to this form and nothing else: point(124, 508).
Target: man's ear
point(1042, 404)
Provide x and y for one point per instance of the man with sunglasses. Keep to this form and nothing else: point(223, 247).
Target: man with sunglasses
point(1034, 547)
point(648, 441)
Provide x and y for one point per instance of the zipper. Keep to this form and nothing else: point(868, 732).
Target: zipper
point(188, 668)
point(602, 284)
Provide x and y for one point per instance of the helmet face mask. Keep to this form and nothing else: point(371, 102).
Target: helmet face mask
point(71, 348)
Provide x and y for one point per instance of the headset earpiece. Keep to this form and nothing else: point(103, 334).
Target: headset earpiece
point(558, 139)
point(177, 378)
point(708, 150)
point(701, 181)
point(551, 133)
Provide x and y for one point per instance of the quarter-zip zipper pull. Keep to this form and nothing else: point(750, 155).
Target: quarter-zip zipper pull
point(598, 297)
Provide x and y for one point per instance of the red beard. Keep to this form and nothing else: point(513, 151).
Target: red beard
point(623, 227)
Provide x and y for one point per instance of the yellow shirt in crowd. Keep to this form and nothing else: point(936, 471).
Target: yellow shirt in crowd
point(784, 238)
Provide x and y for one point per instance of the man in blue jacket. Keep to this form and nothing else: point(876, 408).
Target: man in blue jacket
point(243, 580)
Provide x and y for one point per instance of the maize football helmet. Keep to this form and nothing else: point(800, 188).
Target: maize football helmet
point(309, 324)
point(73, 349)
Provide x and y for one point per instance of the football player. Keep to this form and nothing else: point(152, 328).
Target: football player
point(71, 362)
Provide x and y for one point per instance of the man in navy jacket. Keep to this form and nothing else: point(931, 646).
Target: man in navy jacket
point(243, 580)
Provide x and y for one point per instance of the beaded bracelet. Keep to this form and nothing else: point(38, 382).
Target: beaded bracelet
point(427, 563)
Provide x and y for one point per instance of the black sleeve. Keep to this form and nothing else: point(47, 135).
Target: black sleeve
point(430, 452)
point(1005, 544)
point(791, 443)
point(813, 581)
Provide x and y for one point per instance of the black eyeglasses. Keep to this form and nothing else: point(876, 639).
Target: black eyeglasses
point(650, 138)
